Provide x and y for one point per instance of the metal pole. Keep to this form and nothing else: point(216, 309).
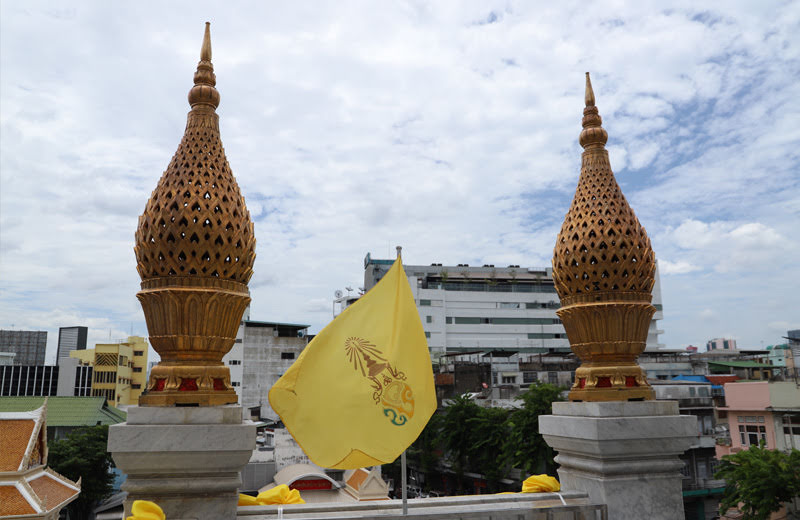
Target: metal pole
point(404, 481)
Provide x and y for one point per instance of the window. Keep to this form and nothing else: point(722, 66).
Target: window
point(691, 391)
point(529, 377)
point(287, 355)
point(508, 305)
point(138, 353)
point(427, 334)
point(137, 369)
point(752, 435)
point(428, 319)
point(136, 386)
point(448, 320)
point(424, 303)
point(234, 361)
point(703, 391)
point(237, 340)
point(509, 380)
point(235, 383)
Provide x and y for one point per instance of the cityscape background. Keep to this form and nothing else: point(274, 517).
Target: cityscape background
point(449, 129)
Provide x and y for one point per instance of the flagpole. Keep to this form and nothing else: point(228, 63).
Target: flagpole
point(403, 479)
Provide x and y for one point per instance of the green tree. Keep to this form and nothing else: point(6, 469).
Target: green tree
point(488, 433)
point(455, 434)
point(759, 480)
point(525, 448)
point(83, 455)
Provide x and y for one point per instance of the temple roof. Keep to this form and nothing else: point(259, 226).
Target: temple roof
point(27, 487)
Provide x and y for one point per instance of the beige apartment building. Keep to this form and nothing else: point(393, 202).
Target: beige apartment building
point(119, 370)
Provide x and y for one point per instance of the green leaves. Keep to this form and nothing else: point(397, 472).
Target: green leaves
point(759, 480)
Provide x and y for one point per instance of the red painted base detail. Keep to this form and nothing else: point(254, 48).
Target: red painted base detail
point(219, 384)
point(603, 382)
point(188, 385)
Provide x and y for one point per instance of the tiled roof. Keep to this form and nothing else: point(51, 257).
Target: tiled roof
point(357, 478)
point(67, 411)
point(13, 503)
point(51, 491)
point(14, 438)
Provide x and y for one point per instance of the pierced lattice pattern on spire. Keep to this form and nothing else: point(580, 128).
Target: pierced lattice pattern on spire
point(196, 222)
point(602, 252)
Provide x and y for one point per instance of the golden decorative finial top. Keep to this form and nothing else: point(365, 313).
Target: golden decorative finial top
point(205, 51)
point(589, 98)
point(203, 93)
point(593, 135)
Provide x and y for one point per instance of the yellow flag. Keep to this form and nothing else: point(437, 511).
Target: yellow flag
point(362, 390)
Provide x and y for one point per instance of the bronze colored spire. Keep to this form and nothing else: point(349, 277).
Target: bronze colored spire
point(604, 269)
point(195, 250)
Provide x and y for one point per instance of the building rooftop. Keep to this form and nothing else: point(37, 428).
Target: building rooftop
point(67, 411)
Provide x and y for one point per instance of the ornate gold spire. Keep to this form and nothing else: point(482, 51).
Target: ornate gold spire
point(604, 269)
point(195, 250)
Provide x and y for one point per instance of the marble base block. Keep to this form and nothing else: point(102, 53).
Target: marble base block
point(624, 454)
point(185, 459)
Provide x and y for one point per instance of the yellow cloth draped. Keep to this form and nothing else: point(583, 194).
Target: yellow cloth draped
point(146, 510)
point(275, 496)
point(362, 390)
point(540, 484)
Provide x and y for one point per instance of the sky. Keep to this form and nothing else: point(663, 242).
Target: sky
point(450, 128)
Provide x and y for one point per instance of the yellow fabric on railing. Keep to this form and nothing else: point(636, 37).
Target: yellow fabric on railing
point(540, 484)
point(146, 510)
point(247, 500)
point(275, 496)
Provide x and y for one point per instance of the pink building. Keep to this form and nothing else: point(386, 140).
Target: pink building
point(761, 410)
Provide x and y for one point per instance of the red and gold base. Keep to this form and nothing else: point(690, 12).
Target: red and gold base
point(188, 385)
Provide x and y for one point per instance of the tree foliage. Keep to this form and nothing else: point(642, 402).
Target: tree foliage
point(489, 441)
point(83, 455)
point(525, 447)
point(759, 480)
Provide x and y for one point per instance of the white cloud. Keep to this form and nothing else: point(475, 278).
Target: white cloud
point(679, 267)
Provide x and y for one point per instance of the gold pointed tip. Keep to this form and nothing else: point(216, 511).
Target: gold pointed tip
point(205, 51)
point(589, 98)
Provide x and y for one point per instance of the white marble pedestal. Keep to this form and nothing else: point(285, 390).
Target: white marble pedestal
point(185, 459)
point(624, 454)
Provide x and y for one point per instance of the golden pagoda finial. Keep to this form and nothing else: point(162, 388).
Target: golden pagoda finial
point(593, 135)
point(195, 250)
point(203, 93)
point(603, 270)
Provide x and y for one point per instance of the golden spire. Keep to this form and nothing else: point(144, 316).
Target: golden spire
point(195, 250)
point(203, 92)
point(603, 269)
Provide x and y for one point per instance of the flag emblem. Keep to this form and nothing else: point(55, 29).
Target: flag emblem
point(390, 389)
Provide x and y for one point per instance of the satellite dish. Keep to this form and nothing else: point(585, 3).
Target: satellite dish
point(338, 293)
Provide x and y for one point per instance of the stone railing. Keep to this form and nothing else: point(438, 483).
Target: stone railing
point(517, 506)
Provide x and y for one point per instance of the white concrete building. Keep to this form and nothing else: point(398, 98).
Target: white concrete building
point(466, 308)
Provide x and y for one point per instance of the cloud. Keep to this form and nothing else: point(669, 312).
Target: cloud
point(679, 267)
